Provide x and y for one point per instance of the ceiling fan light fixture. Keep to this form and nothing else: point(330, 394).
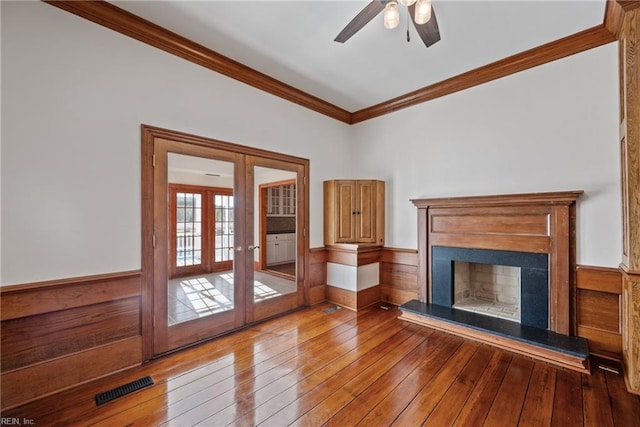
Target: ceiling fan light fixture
point(423, 12)
point(391, 15)
point(420, 9)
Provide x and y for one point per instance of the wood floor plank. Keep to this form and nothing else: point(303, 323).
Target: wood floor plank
point(538, 405)
point(245, 368)
point(184, 392)
point(596, 412)
point(428, 398)
point(361, 405)
point(477, 406)
point(326, 409)
point(342, 369)
point(262, 386)
point(325, 388)
point(507, 404)
point(624, 406)
point(395, 402)
point(449, 407)
point(286, 391)
point(567, 403)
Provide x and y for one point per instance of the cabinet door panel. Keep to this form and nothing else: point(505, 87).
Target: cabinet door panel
point(365, 212)
point(345, 212)
point(291, 250)
point(271, 252)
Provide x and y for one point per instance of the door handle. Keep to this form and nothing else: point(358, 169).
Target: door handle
point(237, 249)
point(251, 247)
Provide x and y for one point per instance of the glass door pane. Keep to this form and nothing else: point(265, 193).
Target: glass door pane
point(223, 205)
point(274, 229)
point(201, 195)
point(188, 234)
point(200, 298)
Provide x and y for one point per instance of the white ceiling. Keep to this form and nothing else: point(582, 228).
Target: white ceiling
point(292, 41)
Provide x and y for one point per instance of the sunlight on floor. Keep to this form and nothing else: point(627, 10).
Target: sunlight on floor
point(191, 298)
point(262, 291)
point(204, 297)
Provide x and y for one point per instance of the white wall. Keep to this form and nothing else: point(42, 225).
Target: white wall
point(74, 96)
point(551, 128)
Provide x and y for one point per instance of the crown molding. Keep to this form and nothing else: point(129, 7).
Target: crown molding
point(117, 19)
point(570, 45)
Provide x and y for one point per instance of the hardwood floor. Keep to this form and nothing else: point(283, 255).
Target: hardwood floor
point(287, 269)
point(343, 368)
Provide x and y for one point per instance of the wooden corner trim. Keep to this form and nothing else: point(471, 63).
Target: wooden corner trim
point(126, 23)
point(614, 16)
point(567, 46)
point(628, 5)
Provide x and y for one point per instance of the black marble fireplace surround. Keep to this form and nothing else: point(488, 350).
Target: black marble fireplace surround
point(534, 283)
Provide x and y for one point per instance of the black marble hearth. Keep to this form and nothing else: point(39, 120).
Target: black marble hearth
point(571, 345)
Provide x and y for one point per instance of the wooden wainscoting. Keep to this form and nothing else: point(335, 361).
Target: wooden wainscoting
point(598, 315)
point(62, 333)
point(353, 255)
point(317, 275)
point(398, 275)
point(353, 300)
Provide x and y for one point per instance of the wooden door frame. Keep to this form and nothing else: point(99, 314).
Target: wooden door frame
point(170, 337)
point(149, 135)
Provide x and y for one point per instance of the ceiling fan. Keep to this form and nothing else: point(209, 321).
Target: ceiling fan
point(420, 11)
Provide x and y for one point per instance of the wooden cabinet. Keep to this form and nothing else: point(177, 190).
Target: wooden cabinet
point(354, 212)
point(281, 248)
point(281, 200)
point(629, 40)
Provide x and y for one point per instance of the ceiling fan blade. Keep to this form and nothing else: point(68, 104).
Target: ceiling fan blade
point(361, 19)
point(429, 32)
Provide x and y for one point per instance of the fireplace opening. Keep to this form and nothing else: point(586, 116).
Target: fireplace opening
point(488, 289)
point(531, 292)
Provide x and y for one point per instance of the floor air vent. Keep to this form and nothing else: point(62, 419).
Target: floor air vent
point(332, 309)
point(114, 393)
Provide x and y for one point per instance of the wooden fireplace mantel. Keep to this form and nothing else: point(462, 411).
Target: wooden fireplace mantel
point(553, 198)
point(530, 222)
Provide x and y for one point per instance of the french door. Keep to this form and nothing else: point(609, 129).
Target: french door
point(200, 229)
point(205, 276)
